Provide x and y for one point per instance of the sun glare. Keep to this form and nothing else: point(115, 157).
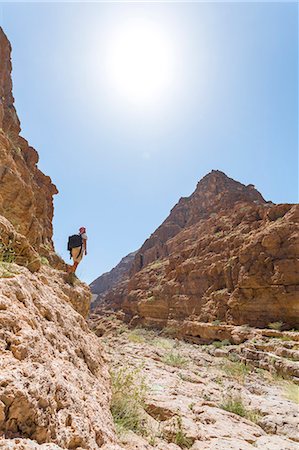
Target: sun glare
point(140, 62)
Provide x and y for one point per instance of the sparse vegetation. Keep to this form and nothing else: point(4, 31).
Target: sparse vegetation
point(237, 370)
point(7, 253)
point(174, 359)
point(170, 331)
point(219, 344)
point(135, 337)
point(216, 322)
point(127, 403)
point(275, 325)
point(163, 343)
point(179, 437)
point(7, 270)
point(234, 404)
point(122, 329)
point(292, 392)
point(44, 261)
point(7, 258)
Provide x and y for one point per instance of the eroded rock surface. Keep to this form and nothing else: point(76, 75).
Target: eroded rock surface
point(26, 194)
point(189, 388)
point(106, 282)
point(223, 254)
point(54, 385)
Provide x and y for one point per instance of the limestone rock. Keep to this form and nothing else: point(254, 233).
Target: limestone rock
point(224, 255)
point(15, 247)
point(26, 194)
point(54, 385)
point(106, 282)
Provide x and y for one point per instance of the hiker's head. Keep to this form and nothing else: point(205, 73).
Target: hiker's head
point(82, 230)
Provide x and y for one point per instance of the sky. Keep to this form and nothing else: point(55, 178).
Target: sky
point(129, 105)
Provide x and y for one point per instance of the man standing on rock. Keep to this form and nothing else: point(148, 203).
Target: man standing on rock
point(77, 246)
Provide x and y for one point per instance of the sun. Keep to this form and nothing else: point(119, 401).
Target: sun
point(140, 62)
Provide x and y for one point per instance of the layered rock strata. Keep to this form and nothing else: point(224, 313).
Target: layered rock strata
point(106, 282)
point(26, 194)
point(223, 254)
point(54, 381)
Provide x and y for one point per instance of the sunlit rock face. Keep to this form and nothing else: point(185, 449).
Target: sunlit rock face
point(54, 378)
point(106, 282)
point(54, 384)
point(223, 253)
point(26, 194)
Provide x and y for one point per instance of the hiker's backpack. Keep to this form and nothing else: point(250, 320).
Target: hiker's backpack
point(74, 241)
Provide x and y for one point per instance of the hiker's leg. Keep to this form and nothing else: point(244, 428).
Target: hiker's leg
point(75, 265)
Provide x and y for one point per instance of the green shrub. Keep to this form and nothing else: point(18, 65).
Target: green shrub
point(136, 338)
point(237, 370)
point(174, 359)
point(44, 261)
point(163, 343)
point(170, 331)
point(234, 404)
point(219, 344)
point(7, 253)
point(216, 322)
point(275, 325)
point(127, 403)
point(179, 437)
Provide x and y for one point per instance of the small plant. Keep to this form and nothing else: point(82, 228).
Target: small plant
point(275, 325)
point(122, 329)
point(216, 322)
point(7, 253)
point(163, 343)
point(170, 331)
point(127, 403)
point(233, 357)
point(174, 359)
point(7, 271)
point(136, 338)
point(179, 437)
point(235, 405)
point(219, 344)
point(44, 261)
point(237, 370)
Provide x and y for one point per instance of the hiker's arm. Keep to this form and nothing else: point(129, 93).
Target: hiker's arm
point(85, 246)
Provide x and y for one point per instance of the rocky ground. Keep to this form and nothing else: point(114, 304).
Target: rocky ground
point(175, 394)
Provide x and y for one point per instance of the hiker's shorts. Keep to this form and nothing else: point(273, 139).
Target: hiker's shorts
point(76, 255)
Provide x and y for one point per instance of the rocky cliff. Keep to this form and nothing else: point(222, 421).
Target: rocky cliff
point(54, 383)
point(224, 254)
point(104, 284)
point(54, 380)
point(26, 194)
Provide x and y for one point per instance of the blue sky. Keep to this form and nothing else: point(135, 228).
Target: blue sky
point(231, 104)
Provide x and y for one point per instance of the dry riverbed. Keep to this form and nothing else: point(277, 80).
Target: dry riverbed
point(169, 394)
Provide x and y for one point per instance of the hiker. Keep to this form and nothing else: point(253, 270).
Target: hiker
point(77, 246)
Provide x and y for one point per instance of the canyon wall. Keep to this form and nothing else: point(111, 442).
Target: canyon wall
point(224, 254)
point(26, 194)
point(54, 386)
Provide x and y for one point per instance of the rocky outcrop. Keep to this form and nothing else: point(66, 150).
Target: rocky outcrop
point(14, 247)
point(214, 193)
point(54, 381)
point(223, 254)
point(106, 282)
point(206, 397)
point(26, 194)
